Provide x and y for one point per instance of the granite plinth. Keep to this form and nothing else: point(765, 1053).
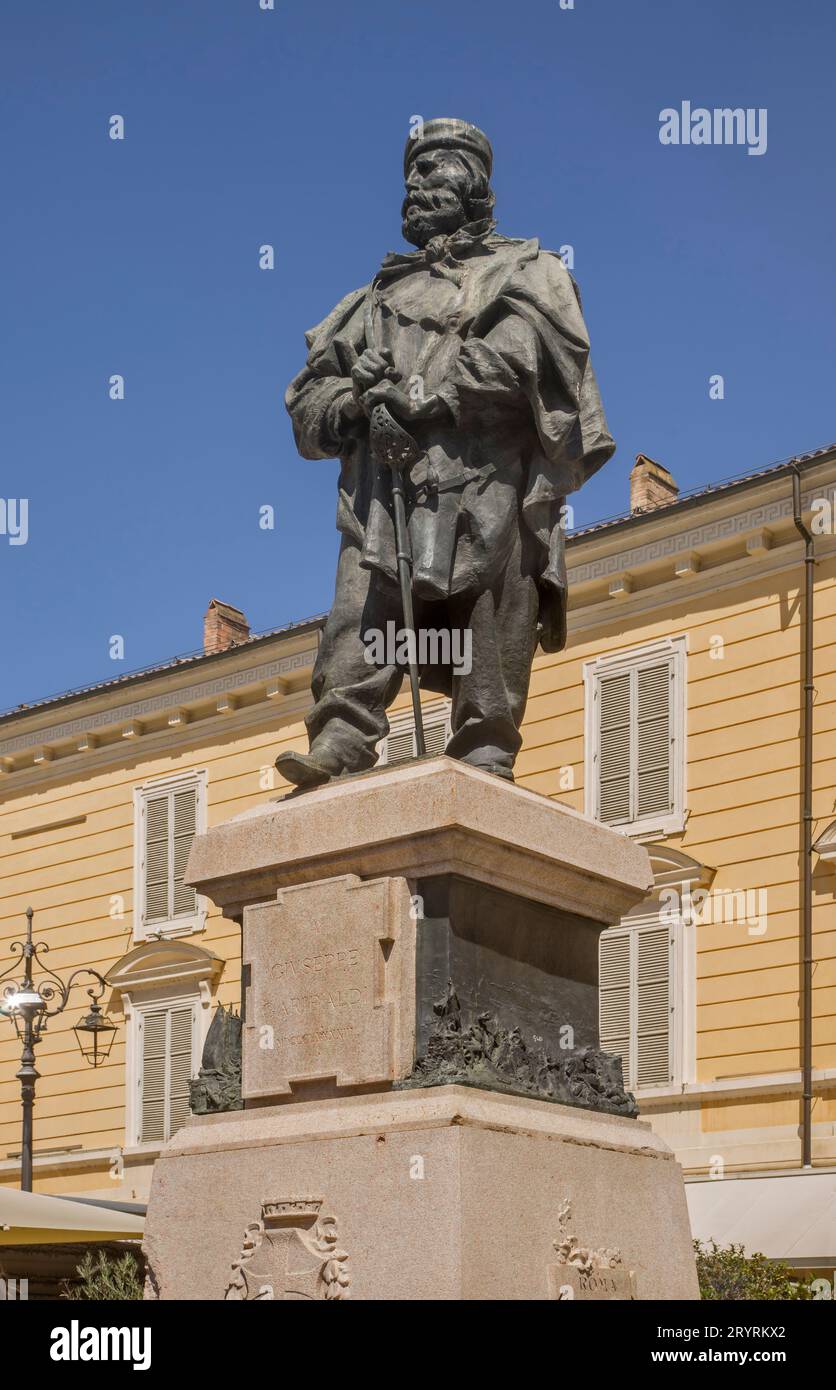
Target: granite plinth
point(440, 1194)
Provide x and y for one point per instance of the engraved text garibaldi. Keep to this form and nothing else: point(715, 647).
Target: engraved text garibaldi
point(477, 346)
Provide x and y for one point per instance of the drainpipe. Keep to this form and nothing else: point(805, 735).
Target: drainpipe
point(806, 836)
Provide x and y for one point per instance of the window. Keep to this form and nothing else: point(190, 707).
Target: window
point(165, 1048)
point(166, 990)
point(635, 739)
point(399, 745)
point(169, 813)
point(636, 1001)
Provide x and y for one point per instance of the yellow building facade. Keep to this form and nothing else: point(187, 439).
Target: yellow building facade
point(675, 714)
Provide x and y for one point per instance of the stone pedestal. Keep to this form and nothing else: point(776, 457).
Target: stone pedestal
point(445, 1193)
point(420, 1004)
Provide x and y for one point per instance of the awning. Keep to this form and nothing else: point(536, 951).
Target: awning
point(785, 1216)
point(33, 1218)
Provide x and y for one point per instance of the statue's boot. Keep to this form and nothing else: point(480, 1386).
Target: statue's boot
point(490, 758)
point(303, 770)
point(499, 770)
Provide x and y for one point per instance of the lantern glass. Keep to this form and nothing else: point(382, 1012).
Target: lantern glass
point(95, 1034)
point(22, 1006)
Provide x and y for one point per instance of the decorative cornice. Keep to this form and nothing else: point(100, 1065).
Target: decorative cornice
point(163, 742)
point(745, 525)
point(129, 715)
point(160, 964)
point(825, 845)
point(587, 614)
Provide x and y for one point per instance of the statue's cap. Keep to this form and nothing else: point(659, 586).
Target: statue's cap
point(446, 133)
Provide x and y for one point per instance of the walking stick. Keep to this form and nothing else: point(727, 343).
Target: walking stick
point(390, 444)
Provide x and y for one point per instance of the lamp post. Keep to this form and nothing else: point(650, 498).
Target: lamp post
point(28, 1006)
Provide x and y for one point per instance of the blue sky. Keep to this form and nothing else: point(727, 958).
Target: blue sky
point(246, 126)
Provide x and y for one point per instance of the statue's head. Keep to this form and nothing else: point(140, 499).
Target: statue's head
point(447, 164)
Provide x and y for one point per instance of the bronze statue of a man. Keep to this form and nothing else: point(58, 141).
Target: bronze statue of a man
point(477, 346)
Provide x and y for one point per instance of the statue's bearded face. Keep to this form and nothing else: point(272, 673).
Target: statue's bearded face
point(437, 196)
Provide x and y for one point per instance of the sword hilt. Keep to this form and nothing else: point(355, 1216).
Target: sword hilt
point(390, 442)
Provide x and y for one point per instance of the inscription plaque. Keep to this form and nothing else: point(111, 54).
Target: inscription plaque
point(330, 995)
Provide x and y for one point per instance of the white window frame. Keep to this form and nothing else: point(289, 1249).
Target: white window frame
point(405, 720)
point(675, 650)
point(682, 996)
point(136, 1010)
point(177, 926)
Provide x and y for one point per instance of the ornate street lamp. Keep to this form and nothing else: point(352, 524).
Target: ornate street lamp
point(30, 1007)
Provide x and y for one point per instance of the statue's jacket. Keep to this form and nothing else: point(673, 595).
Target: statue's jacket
point(495, 326)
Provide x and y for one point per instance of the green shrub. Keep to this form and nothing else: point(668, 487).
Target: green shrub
point(105, 1277)
point(728, 1272)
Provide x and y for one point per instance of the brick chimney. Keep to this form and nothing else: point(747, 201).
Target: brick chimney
point(223, 627)
point(651, 485)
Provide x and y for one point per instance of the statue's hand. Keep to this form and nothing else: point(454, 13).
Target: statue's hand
point(370, 368)
point(351, 409)
point(402, 404)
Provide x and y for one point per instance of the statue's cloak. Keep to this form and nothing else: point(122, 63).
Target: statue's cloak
point(495, 326)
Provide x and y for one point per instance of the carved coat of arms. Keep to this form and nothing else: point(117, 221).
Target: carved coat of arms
point(291, 1252)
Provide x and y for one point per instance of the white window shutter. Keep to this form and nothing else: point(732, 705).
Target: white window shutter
point(184, 899)
point(653, 740)
point(166, 1059)
point(154, 1029)
point(399, 746)
point(634, 1002)
point(614, 997)
point(634, 752)
point(180, 1066)
point(614, 745)
point(652, 1005)
point(435, 734)
point(156, 859)
point(169, 826)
